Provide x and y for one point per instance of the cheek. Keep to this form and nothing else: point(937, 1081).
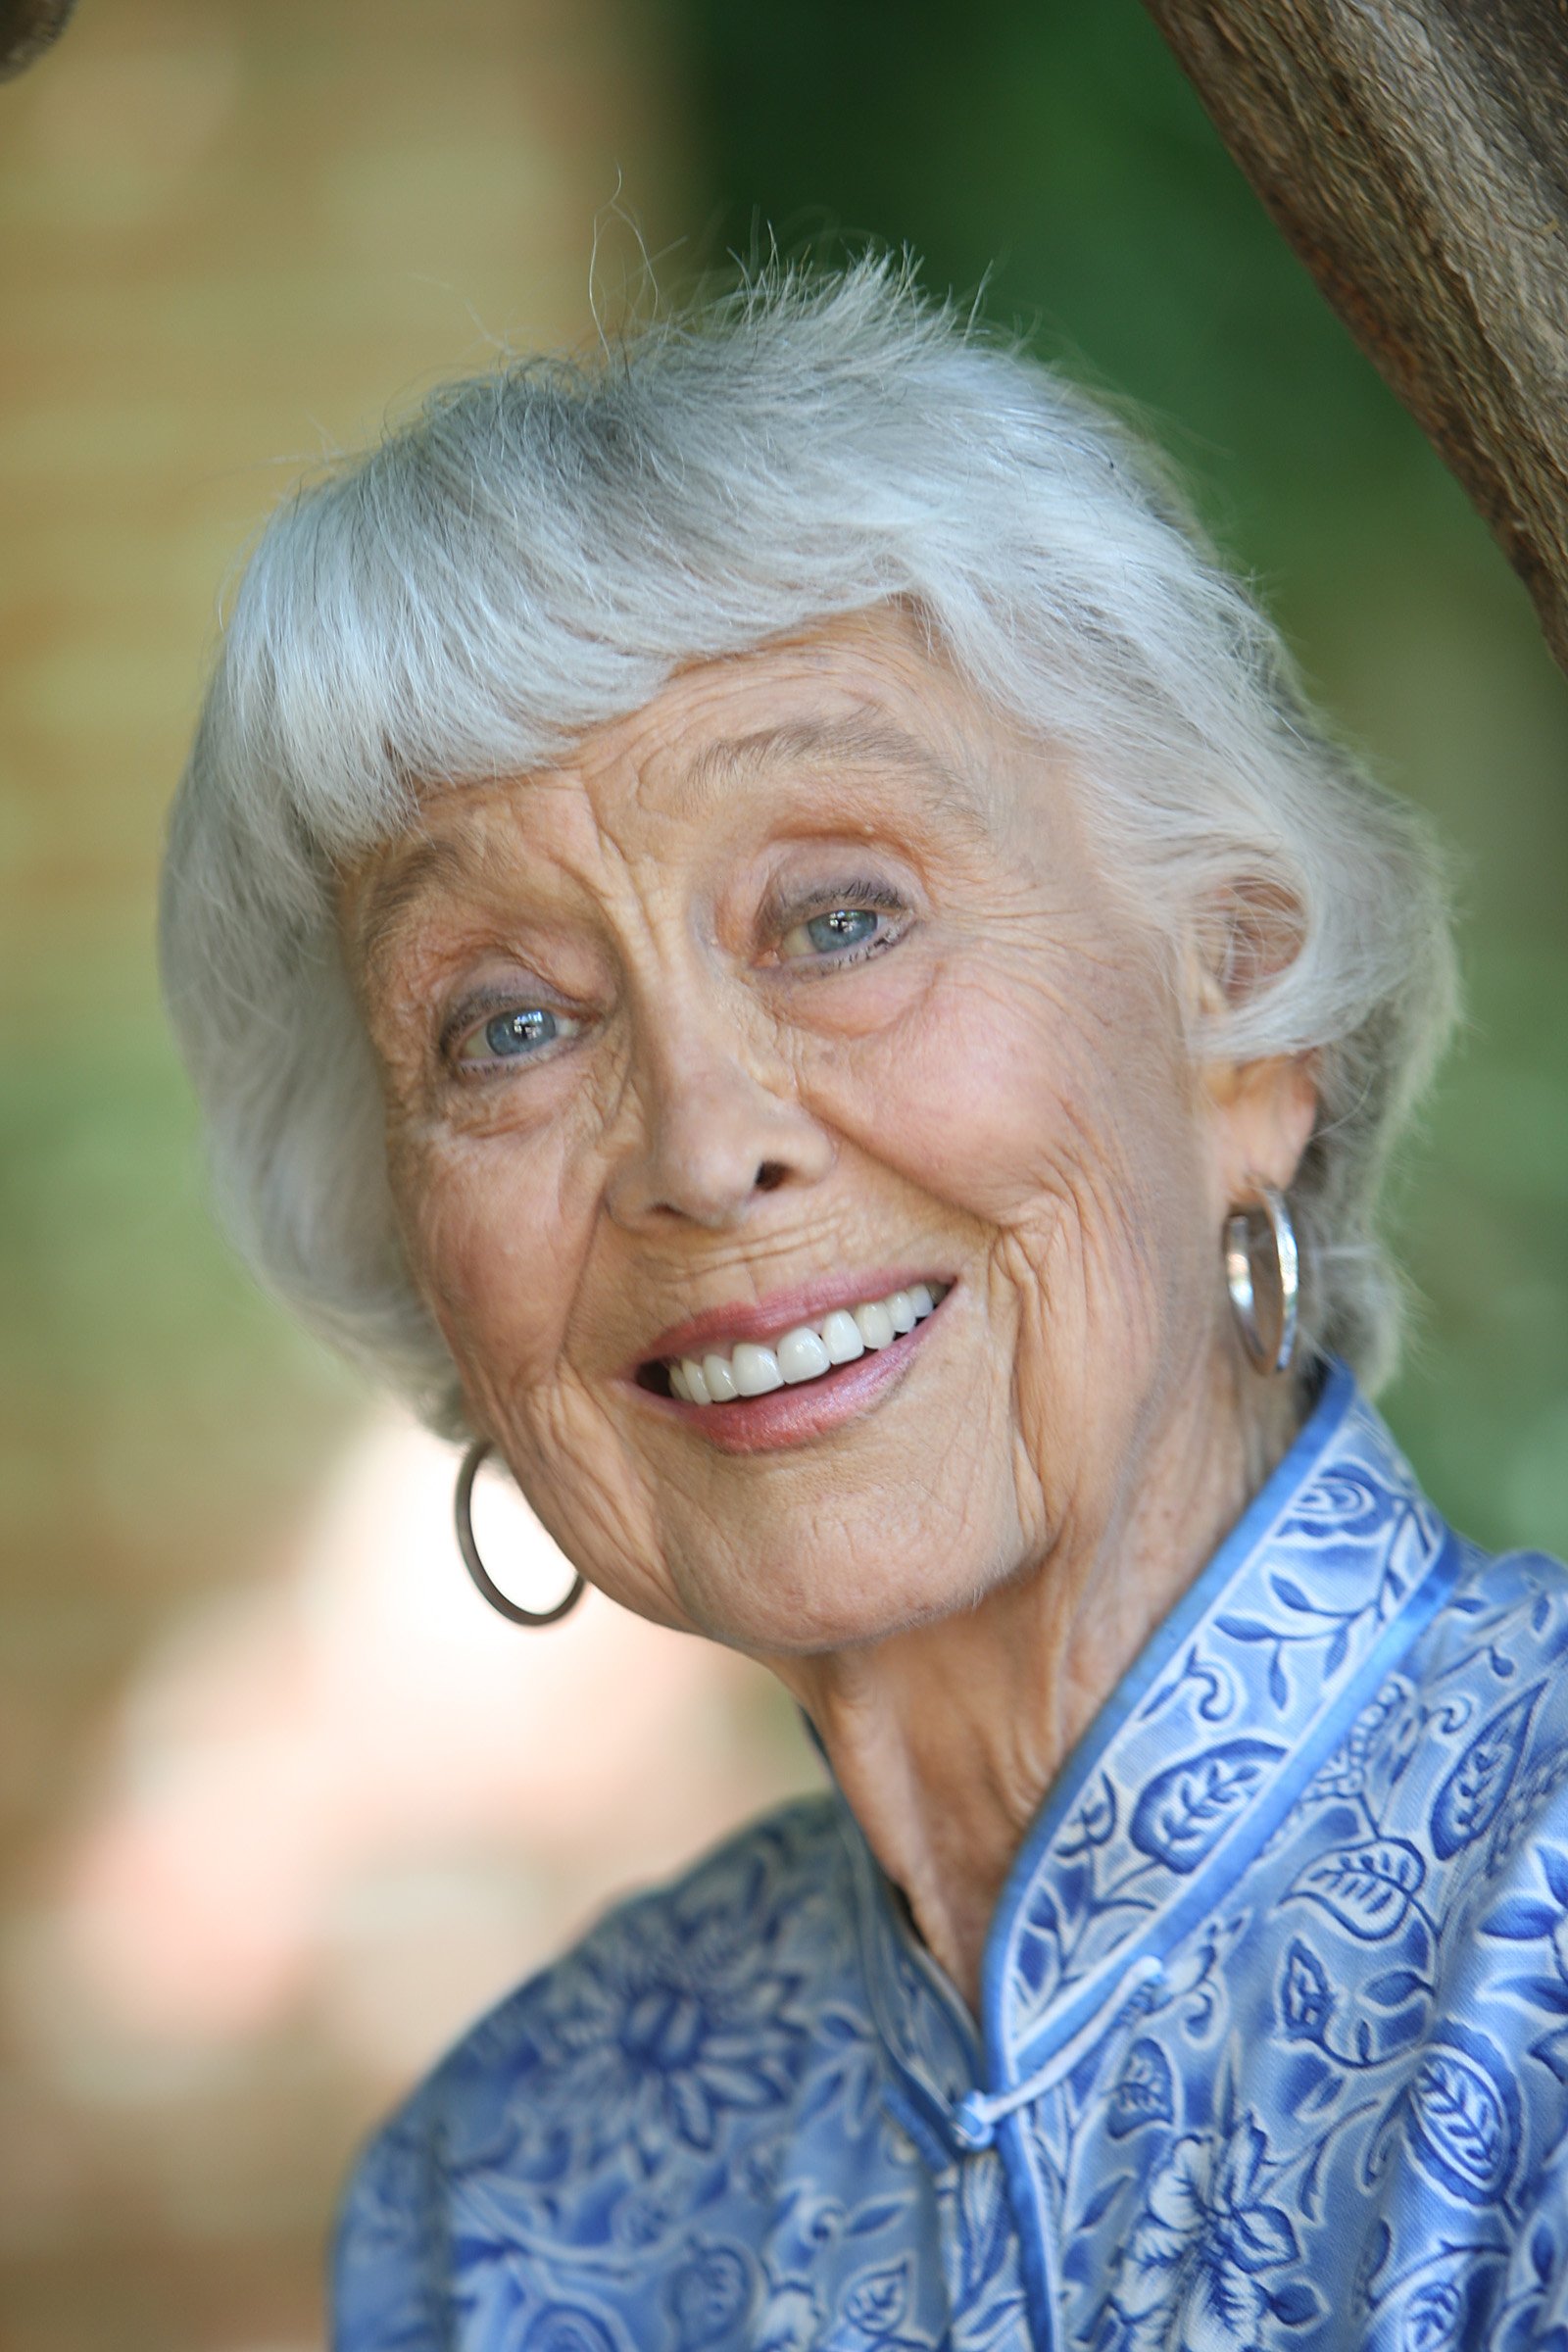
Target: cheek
point(500, 1264)
point(1009, 1088)
point(493, 1255)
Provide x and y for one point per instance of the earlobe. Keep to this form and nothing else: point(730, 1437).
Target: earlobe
point(1265, 1109)
point(1265, 1113)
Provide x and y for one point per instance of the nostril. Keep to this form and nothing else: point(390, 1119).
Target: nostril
point(770, 1175)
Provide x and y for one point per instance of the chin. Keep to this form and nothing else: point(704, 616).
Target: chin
point(847, 1593)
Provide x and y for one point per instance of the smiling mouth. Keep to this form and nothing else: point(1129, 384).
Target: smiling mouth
point(808, 1352)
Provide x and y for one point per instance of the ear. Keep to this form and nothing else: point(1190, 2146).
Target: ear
point(1262, 1116)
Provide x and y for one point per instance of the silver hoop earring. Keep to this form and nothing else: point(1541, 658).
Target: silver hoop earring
point(1268, 1328)
point(463, 1513)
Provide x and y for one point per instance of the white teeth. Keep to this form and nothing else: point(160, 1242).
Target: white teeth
point(805, 1352)
point(841, 1337)
point(755, 1370)
point(801, 1356)
point(875, 1325)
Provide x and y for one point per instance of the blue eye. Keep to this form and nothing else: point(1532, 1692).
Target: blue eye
point(845, 927)
point(835, 933)
point(522, 1031)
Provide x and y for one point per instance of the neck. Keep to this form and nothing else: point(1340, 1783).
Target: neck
point(945, 1740)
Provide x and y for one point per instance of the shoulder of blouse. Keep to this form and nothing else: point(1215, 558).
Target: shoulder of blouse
point(765, 1918)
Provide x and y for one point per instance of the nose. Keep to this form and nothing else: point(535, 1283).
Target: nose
point(711, 1135)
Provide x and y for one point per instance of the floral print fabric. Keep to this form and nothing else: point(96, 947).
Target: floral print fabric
point(1275, 2022)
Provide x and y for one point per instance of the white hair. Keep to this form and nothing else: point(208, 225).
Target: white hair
point(542, 545)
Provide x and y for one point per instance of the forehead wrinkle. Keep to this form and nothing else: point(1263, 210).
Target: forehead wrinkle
point(869, 745)
point(420, 865)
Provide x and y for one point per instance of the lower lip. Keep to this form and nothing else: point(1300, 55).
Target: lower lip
point(790, 1416)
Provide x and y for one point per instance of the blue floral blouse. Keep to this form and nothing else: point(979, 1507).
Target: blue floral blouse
point(1274, 2048)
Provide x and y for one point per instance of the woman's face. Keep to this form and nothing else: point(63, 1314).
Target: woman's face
point(796, 991)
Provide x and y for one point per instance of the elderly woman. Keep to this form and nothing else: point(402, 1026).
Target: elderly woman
point(762, 931)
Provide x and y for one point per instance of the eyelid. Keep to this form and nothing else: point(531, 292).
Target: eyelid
point(500, 991)
point(786, 901)
point(874, 894)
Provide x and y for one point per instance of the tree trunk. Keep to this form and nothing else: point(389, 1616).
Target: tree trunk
point(26, 28)
point(1415, 154)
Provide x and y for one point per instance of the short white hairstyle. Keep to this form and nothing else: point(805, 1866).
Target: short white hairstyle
point(542, 545)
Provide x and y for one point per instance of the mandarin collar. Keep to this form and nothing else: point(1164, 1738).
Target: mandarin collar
point(1218, 1727)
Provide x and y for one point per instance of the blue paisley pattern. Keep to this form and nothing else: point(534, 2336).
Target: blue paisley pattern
point(1275, 2022)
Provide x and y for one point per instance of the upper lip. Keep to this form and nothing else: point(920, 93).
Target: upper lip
point(762, 1320)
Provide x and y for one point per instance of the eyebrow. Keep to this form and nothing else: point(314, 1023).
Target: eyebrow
point(864, 743)
point(395, 891)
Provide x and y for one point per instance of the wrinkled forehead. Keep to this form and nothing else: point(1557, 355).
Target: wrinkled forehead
point(850, 728)
point(871, 692)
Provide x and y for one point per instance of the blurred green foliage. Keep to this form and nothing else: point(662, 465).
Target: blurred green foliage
point(1053, 154)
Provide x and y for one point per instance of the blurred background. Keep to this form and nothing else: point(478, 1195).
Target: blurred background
point(281, 1806)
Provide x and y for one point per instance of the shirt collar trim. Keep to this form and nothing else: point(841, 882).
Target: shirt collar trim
point(1279, 1641)
point(1257, 1522)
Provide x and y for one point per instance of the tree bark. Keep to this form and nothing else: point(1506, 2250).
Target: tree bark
point(26, 28)
point(1415, 154)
